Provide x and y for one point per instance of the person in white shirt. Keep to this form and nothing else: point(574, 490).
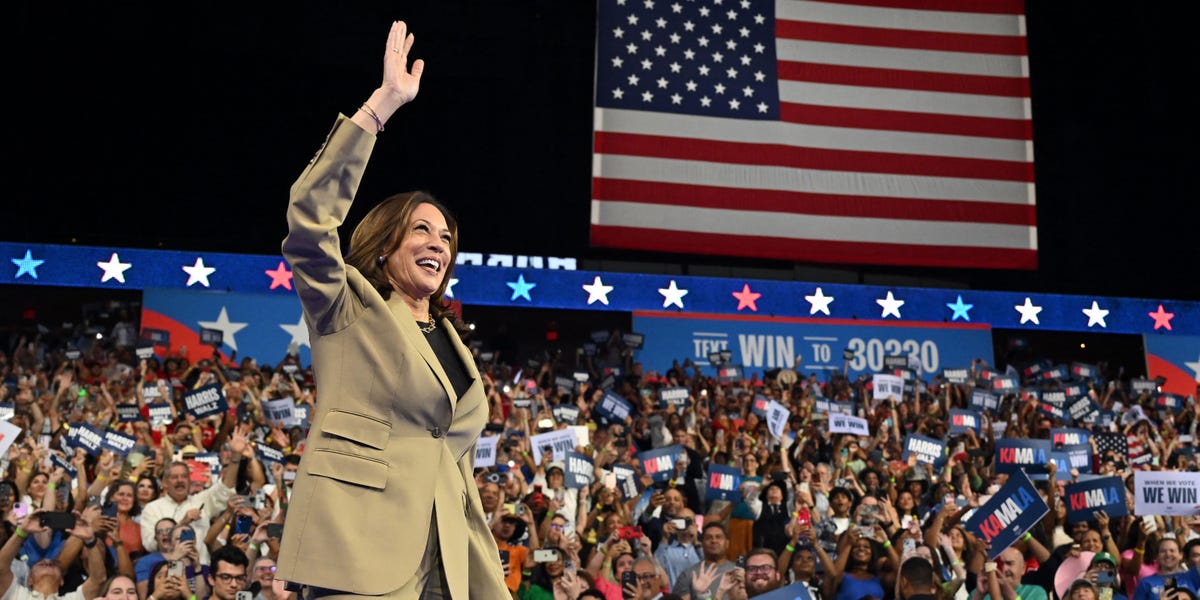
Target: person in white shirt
point(196, 510)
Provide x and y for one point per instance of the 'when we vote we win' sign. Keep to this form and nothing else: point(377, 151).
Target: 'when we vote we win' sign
point(1175, 493)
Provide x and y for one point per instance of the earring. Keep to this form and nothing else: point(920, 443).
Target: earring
point(382, 259)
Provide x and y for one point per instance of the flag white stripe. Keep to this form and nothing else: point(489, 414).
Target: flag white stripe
point(812, 227)
point(809, 136)
point(918, 101)
point(756, 177)
point(899, 18)
point(907, 59)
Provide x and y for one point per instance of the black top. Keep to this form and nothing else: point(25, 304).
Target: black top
point(448, 356)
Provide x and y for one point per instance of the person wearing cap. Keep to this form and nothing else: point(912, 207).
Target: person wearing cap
point(562, 499)
point(1082, 589)
point(1104, 572)
point(1171, 569)
point(508, 532)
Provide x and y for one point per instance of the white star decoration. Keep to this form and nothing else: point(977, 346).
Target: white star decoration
point(890, 306)
point(672, 295)
point(198, 273)
point(450, 287)
point(227, 327)
point(1095, 315)
point(299, 332)
point(597, 291)
point(819, 302)
point(1028, 311)
point(114, 269)
point(1195, 366)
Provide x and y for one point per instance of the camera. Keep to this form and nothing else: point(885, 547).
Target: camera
point(545, 555)
point(629, 532)
point(492, 477)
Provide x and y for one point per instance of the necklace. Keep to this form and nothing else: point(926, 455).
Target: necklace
point(428, 328)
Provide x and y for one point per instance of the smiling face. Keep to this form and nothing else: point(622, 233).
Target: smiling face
point(417, 266)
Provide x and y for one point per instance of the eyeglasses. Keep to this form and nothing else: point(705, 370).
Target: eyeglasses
point(265, 568)
point(760, 568)
point(646, 576)
point(163, 531)
point(227, 578)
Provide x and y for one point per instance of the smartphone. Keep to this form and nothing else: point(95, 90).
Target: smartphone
point(176, 568)
point(504, 557)
point(910, 546)
point(948, 500)
point(1104, 577)
point(274, 530)
point(20, 510)
point(804, 517)
point(187, 535)
point(109, 510)
point(1151, 524)
point(545, 555)
point(58, 520)
point(244, 595)
point(867, 531)
point(243, 524)
point(289, 475)
point(628, 578)
point(610, 480)
point(679, 524)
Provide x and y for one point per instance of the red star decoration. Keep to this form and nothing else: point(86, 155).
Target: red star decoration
point(746, 298)
point(280, 276)
point(1162, 318)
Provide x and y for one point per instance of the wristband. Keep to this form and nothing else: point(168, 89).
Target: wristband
point(52, 486)
point(957, 563)
point(887, 543)
point(1140, 550)
point(21, 533)
point(91, 543)
point(1028, 536)
point(789, 548)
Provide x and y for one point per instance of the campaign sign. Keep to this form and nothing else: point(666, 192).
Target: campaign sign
point(1005, 383)
point(1031, 456)
point(522, 402)
point(159, 337)
point(1083, 408)
point(845, 408)
point(1057, 372)
point(984, 400)
point(579, 470)
point(205, 401)
point(886, 386)
point(1074, 390)
point(128, 413)
point(633, 340)
point(212, 459)
point(151, 392)
point(723, 483)
point(660, 464)
point(1080, 457)
point(56, 460)
point(117, 442)
point(777, 417)
point(1082, 370)
point(627, 480)
point(956, 375)
point(144, 351)
point(613, 408)
point(280, 411)
point(1171, 402)
point(565, 413)
point(82, 435)
point(840, 423)
point(268, 454)
point(565, 385)
point(7, 410)
point(1013, 510)
point(1087, 497)
point(1055, 397)
point(1174, 493)
point(1053, 410)
point(760, 342)
point(559, 441)
point(160, 413)
point(677, 396)
point(1062, 466)
point(211, 337)
point(963, 420)
point(758, 405)
point(485, 451)
point(1139, 386)
point(1066, 436)
point(729, 374)
point(1031, 394)
point(930, 451)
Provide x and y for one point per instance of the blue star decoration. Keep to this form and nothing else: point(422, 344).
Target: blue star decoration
point(27, 265)
point(960, 309)
point(520, 288)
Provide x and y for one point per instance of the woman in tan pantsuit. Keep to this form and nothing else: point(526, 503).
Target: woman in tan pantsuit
point(385, 502)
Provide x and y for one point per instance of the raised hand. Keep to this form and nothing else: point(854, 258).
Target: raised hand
point(401, 82)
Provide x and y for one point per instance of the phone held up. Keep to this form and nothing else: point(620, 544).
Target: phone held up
point(58, 520)
point(545, 555)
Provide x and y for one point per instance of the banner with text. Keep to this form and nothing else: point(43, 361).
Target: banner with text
point(1166, 492)
point(1085, 498)
point(1011, 511)
point(763, 343)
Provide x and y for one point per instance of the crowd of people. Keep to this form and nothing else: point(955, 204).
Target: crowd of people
point(195, 507)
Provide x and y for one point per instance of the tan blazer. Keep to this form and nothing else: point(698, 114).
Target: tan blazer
point(389, 441)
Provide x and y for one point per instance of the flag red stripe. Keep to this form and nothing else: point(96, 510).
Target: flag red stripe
point(700, 196)
point(1013, 87)
point(1011, 45)
point(988, 7)
point(802, 250)
point(809, 158)
point(895, 120)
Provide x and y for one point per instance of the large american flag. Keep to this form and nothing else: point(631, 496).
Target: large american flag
point(869, 131)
